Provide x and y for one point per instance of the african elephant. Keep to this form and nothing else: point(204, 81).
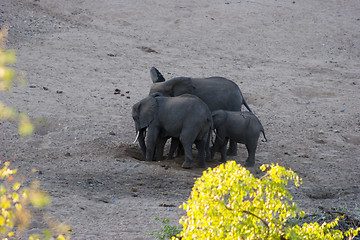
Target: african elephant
point(242, 127)
point(185, 117)
point(216, 92)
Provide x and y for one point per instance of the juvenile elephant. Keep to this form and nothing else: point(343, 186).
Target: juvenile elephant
point(242, 127)
point(216, 92)
point(185, 117)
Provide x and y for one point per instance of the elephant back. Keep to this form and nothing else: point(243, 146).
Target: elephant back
point(218, 93)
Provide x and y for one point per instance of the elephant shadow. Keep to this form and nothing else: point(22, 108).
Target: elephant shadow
point(134, 152)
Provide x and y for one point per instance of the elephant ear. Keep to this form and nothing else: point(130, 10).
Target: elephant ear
point(180, 85)
point(219, 118)
point(156, 76)
point(146, 111)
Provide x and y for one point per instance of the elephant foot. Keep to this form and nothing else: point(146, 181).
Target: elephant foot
point(202, 165)
point(249, 164)
point(231, 152)
point(187, 165)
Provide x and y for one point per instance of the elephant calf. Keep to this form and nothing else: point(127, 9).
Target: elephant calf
point(241, 127)
point(185, 117)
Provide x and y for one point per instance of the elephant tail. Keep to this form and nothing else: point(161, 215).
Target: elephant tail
point(263, 132)
point(246, 105)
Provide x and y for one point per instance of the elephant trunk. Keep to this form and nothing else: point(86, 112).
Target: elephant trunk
point(141, 138)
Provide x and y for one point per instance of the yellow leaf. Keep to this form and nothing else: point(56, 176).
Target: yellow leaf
point(39, 199)
point(61, 237)
point(25, 126)
point(16, 186)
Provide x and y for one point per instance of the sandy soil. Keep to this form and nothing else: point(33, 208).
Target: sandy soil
point(296, 62)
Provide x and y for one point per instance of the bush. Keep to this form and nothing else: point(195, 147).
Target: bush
point(228, 202)
point(16, 203)
point(6, 81)
point(167, 231)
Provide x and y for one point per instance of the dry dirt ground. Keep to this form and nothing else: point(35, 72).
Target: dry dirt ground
point(297, 63)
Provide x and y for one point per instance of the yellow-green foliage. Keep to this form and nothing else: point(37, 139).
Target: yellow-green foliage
point(6, 80)
point(228, 202)
point(16, 203)
point(15, 200)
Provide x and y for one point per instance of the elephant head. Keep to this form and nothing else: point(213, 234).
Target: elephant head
point(143, 114)
point(171, 88)
point(219, 118)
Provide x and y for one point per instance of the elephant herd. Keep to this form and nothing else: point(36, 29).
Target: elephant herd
point(187, 110)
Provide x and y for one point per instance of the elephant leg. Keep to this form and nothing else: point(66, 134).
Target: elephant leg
point(215, 147)
point(207, 150)
point(200, 145)
point(151, 140)
point(189, 163)
point(251, 148)
point(175, 143)
point(180, 150)
point(141, 140)
point(187, 139)
point(159, 150)
point(232, 151)
point(223, 150)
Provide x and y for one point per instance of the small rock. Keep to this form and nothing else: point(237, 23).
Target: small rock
point(147, 49)
point(336, 131)
point(165, 166)
point(112, 133)
point(59, 92)
point(110, 54)
point(320, 141)
point(166, 205)
point(117, 91)
point(45, 88)
point(32, 86)
point(67, 154)
point(127, 92)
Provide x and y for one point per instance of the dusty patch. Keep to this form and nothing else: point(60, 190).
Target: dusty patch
point(87, 62)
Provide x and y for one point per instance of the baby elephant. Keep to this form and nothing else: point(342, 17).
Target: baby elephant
point(241, 127)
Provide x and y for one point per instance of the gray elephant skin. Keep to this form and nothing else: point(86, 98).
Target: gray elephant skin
point(185, 117)
point(216, 92)
point(242, 127)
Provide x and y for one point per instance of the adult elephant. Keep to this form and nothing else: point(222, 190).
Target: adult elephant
point(216, 92)
point(185, 117)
